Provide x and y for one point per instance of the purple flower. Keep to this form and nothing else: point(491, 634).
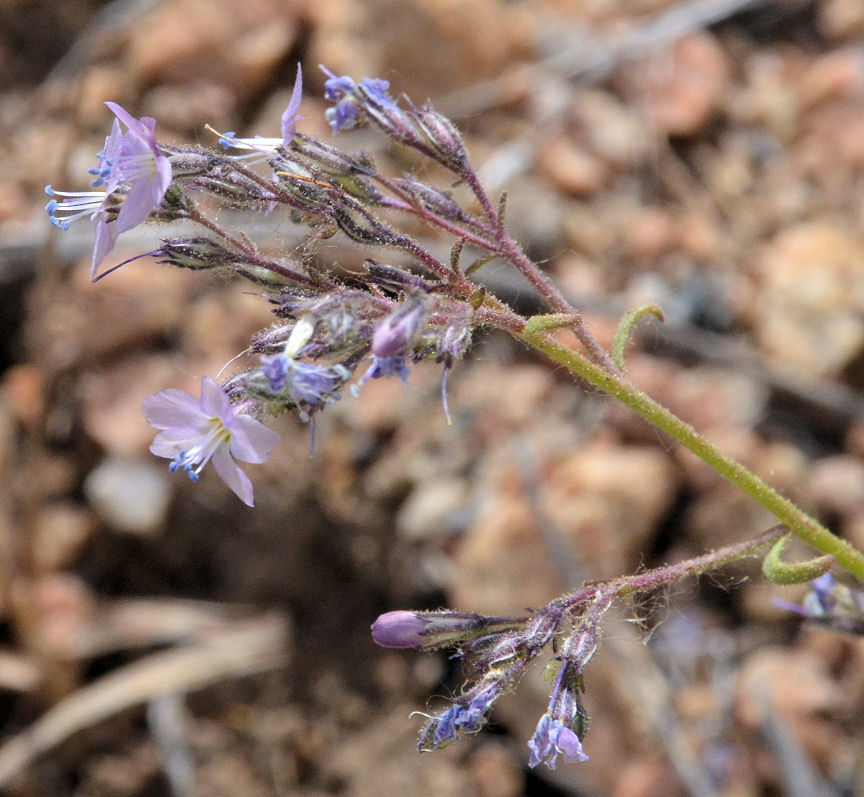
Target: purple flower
point(386, 366)
point(133, 175)
point(260, 146)
point(831, 604)
point(450, 724)
point(335, 88)
point(442, 729)
point(461, 717)
point(376, 90)
point(471, 718)
point(551, 738)
point(289, 115)
point(194, 431)
point(823, 593)
point(276, 370)
point(818, 603)
point(343, 116)
point(305, 382)
point(353, 101)
point(342, 91)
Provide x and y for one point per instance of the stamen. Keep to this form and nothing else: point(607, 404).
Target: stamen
point(194, 460)
point(77, 204)
point(259, 148)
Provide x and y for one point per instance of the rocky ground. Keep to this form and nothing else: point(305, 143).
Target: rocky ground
point(156, 635)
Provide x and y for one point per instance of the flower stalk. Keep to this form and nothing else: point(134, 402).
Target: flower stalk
point(799, 523)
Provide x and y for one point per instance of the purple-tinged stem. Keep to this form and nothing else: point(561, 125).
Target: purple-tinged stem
point(500, 319)
point(547, 289)
point(250, 252)
point(444, 224)
point(651, 579)
point(415, 250)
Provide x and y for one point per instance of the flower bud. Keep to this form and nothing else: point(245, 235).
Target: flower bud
point(399, 629)
point(395, 335)
point(442, 135)
point(195, 253)
point(432, 630)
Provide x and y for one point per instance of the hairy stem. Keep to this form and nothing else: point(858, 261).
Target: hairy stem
point(541, 282)
point(661, 576)
point(796, 520)
point(252, 255)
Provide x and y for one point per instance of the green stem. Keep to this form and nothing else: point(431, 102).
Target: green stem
point(796, 520)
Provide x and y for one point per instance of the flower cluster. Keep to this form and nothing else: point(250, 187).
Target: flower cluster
point(327, 329)
point(496, 652)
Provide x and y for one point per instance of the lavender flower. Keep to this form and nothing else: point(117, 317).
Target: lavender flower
point(309, 384)
point(355, 102)
point(557, 730)
point(399, 629)
point(258, 145)
point(466, 715)
point(341, 90)
point(135, 175)
point(194, 431)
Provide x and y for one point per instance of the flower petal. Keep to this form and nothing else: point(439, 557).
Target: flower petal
point(289, 116)
point(142, 128)
point(215, 402)
point(233, 476)
point(251, 440)
point(174, 408)
point(568, 744)
point(106, 237)
point(163, 447)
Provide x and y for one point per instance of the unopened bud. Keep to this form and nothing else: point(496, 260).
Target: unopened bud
point(432, 630)
point(195, 253)
point(442, 135)
point(397, 333)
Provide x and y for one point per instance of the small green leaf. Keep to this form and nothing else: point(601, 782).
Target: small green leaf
point(625, 329)
point(780, 572)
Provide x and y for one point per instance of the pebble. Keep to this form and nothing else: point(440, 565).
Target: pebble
point(681, 88)
point(809, 312)
point(111, 400)
point(236, 45)
point(572, 169)
point(841, 19)
point(434, 505)
point(836, 484)
point(130, 496)
point(605, 501)
point(60, 530)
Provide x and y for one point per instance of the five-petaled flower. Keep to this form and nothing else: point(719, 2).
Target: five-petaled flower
point(132, 174)
point(196, 431)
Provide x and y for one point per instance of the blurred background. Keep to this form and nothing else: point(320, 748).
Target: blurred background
point(158, 637)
